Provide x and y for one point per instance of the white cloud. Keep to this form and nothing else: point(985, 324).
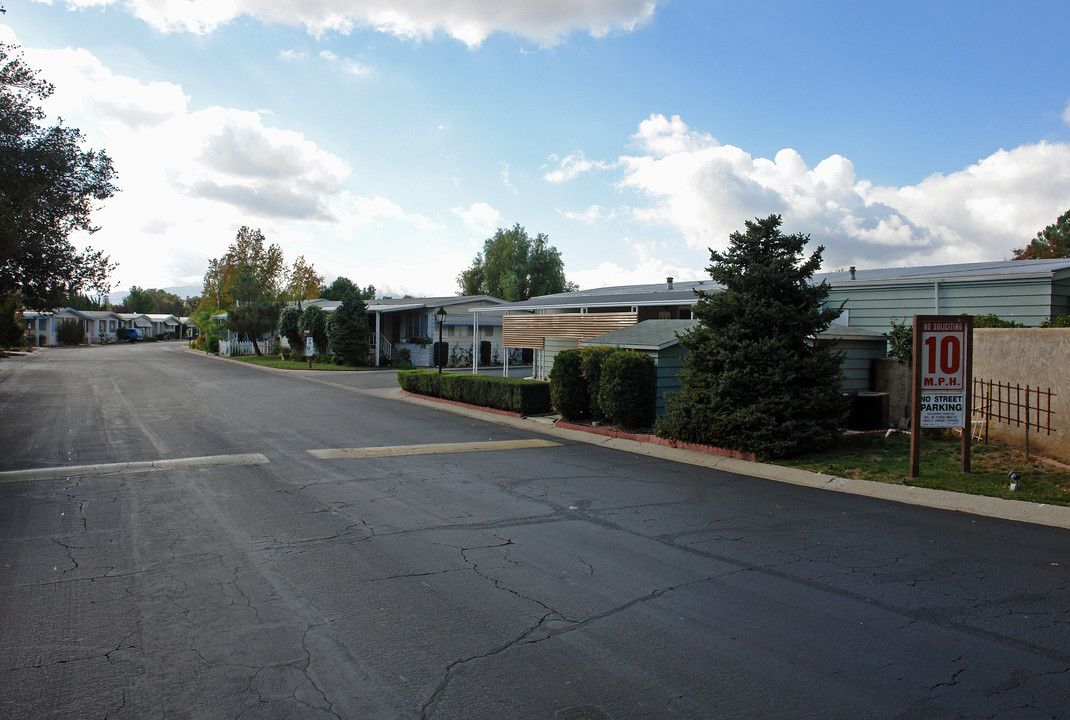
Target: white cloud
point(355, 68)
point(81, 81)
point(360, 211)
point(1066, 113)
point(506, 181)
point(480, 217)
point(571, 166)
point(189, 180)
point(347, 65)
point(706, 191)
point(647, 267)
point(593, 214)
point(470, 21)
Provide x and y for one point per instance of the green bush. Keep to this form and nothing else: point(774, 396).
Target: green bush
point(569, 393)
point(287, 327)
point(526, 397)
point(348, 332)
point(70, 332)
point(591, 367)
point(314, 320)
point(992, 321)
point(1059, 322)
point(11, 330)
point(628, 389)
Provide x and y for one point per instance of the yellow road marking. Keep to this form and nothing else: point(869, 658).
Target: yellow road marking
point(430, 449)
point(68, 471)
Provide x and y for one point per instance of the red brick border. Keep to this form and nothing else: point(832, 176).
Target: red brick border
point(637, 437)
point(655, 440)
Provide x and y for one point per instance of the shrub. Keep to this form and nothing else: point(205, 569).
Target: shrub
point(314, 320)
point(591, 367)
point(569, 393)
point(460, 357)
point(992, 321)
point(348, 332)
point(901, 340)
point(526, 397)
point(69, 332)
point(287, 327)
point(628, 389)
point(1059, 322)
point(405, 354)
point(11, 330)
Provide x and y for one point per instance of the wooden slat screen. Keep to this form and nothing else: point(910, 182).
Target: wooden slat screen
point(528, 331)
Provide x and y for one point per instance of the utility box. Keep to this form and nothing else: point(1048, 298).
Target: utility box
point(869, 411)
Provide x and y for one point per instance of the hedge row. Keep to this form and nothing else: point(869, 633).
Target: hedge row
point(604, 382)
point(526, 397)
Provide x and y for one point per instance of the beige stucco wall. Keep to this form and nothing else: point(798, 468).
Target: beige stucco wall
point(1023, 356)
point(1033, 357)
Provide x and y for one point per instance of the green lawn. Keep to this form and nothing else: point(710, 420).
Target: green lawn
point(276, 361)
point(874, 457)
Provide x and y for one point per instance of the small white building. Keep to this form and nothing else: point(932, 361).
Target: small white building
point(140, 321)
point(165, 327)
point(97, 326)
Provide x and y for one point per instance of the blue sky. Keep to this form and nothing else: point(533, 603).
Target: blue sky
point(385, 140)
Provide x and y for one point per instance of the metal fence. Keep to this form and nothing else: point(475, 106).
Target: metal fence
point(1013, 405)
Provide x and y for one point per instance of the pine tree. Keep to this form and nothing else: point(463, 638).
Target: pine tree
point(754, 379)
point(347, 330)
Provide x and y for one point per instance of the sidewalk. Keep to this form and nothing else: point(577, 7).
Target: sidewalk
point(1016, 510)
point(15, 360)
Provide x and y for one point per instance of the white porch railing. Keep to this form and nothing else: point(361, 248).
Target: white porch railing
point(386, 348)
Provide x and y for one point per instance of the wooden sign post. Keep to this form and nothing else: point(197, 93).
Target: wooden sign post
point(943, 376)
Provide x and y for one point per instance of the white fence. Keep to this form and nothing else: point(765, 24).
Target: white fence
point(234, 347)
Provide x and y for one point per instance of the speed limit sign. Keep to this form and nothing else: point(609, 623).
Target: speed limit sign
point(942, 365)
point(943, 373)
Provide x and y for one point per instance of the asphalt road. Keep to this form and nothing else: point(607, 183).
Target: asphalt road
point(188, 537)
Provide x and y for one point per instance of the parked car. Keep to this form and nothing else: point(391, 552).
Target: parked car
point(128, 334)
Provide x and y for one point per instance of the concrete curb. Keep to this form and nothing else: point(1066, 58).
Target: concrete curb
point(1015, 510)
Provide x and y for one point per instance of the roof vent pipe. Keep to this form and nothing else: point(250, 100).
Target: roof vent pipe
point(668, 283)
point(852, 272)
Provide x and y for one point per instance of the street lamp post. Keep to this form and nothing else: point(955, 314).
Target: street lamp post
point(440, 315)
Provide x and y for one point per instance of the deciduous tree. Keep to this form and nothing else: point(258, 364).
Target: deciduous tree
point(287, 327)
point(139, 300)
point(1051, 242)
point(342, 286)
point(515, 267)
point(49, 187)
point(303, 283)
point(249, 250)
point(314, 320)
point(255, 310)
point(11, 327)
